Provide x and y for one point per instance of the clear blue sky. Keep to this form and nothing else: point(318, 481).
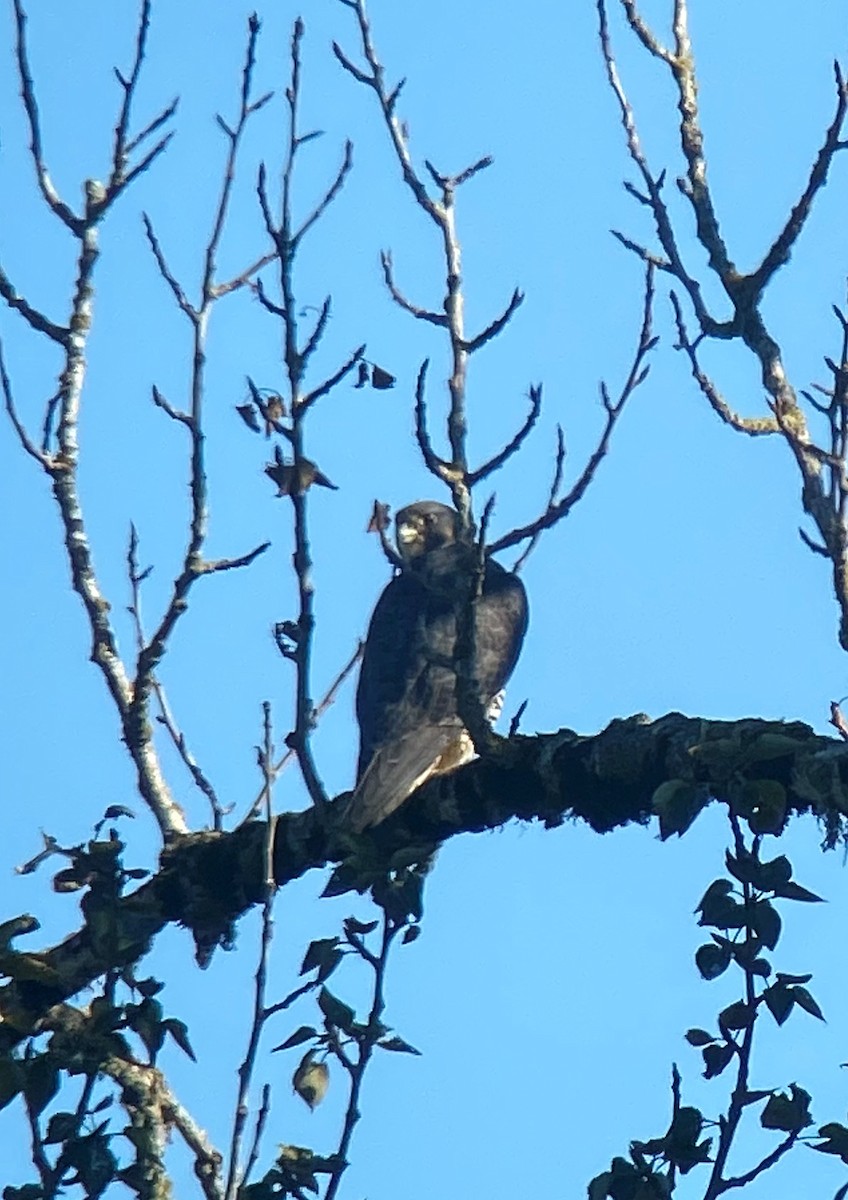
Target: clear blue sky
point(554, 978)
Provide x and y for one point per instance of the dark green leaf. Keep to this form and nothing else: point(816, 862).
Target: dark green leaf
point(712, 960)
point(352, 925)
point(789, 1113)
point(686, 1124)
point(780, 1001)
point(118, 810)
point(11, 1080)
point(149, 987)
point(765, 805)
point(677, 804)
point(699, 1037)
point(319, 953)
point(718, 889)
point(410, 934)
point(716, 1058)
point(794, 891)
point(743, 866)
point(765, 919)
point(301, 1035)
point(774, 874)
point(397, 1043)
point(806, 1001)
point(61, 1125)
point(94, 1162)
point(145, 1019)
point(599, 1187)
point(336, 1012)
point(401, 898)
point(340, 882)
point(179, 1032)
point(41, 1082)
point(738, 1015)
point(746, 951)
point(719, 908)
point(836, 1140)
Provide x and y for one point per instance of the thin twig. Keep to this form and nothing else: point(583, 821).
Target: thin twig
point(35, 319)
point(166, 717)
point(328, 699)
point(421, 314)
point(286, 241)
point(366, 1044)
point(259, 1129)
point(20, 429)
point(235, 1178)
point(638, 373)
point(778, 253)
point(753, 426)
point(556, 484)
point(498, 460)
point(442, 213)
point(48, 191)
point(737, 1181)
point(193, 564)
point(824, 495)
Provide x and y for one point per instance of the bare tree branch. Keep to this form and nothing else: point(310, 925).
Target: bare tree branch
point(637, 375)
point(556, 484)
point(277, 768)
point(498, 460)
point(20, 429)
point(32, 316)
point(754, 426)
point(213, 566)
point(194, 565)
point(499, 323)
point(435, 465)
point(165, 271)
point(235, 1176)
point(54, 202)
point(422, 314)
point(442, 213)
point(166, 717)
point(329, 196)
point(778, 253)
point(826, 505)
point(333, 381)
point(286, 242)
point(605, 780)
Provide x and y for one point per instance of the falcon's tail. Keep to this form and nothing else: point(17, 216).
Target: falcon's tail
point(402, 765)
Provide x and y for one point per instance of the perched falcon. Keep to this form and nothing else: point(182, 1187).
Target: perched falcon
point(406, 700)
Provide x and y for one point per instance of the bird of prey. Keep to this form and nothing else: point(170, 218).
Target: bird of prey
point(406, 700)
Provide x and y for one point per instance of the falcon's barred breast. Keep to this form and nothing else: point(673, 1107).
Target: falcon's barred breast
point(406, 699)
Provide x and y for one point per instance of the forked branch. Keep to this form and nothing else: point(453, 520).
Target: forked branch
point(636, 376)
point(747, 324)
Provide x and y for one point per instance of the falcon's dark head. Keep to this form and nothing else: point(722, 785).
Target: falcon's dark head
point(424, 526)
